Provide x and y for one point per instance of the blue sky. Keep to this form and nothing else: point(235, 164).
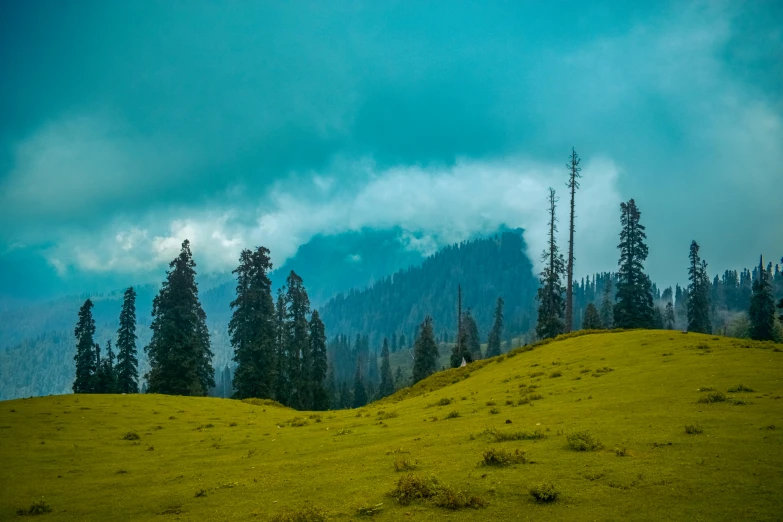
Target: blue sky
point(127, 126)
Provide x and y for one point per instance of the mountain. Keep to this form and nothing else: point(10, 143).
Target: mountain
point(485, 268)
point(619, 431)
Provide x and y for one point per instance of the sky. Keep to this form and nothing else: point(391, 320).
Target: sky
point(126, 127)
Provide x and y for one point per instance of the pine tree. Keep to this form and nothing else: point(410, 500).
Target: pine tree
point(698, 306)
point(607, 306)
point(346, 401)
point(550, 293)
point(634, 307)
point(127, 361)
point(318, 375)
point(394, 342)
point(460, 349)
point(283, 385)
point(573, 184)
point(252, 327)
point(179, 350)
point(425, 351)
point(762, 307)
point(386, 386)
point(109, 372)
point(472, 339)
point(496, 334)
point(359, 391)
point(298, 342)
point(398, 376)
point(591, 321)
point(331, 388)
point(98, 380)
point(85, 346)
point(668, 316)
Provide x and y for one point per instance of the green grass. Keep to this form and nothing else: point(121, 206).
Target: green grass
point(218, 459)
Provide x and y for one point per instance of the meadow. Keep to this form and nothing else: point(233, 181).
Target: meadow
point(634, 425)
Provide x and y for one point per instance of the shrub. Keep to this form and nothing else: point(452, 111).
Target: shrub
point(544, 492)
point(494, 411)
point(450, 498)
point(201, 493)
point(500, 457)
point(404, 465)
point(504, 436)
point(131, 435)
point(555, 374)
point(713, 397)
point(621, 452)
point(491, 403)
point(453, 414)
point(382, 415)
point(536, 374)
point(412, 487)
point(39, 507)
point(693, 429)
point(706, 389)
point(740, 388)
point(308, 514)
point(583, 441)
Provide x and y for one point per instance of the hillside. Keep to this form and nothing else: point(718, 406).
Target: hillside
point(635, 392)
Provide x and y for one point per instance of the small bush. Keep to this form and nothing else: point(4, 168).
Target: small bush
point(232, 424)
point(412, 487)
point(201, 493)
point(544, 492)
point(504, 436)
point(382, 415)
point(452, 414)
point(308, 514)
point(536, 374)
point(491, 403)
point(693, 429)
point(555, 374)
point(39, 507)
point(621, 452)
point(500, 457)
point(404, 465)
point(712, 398)
point(740, 388)
point(450, 498)
point(494, 411)
point(131, 435)
point(445, 401)
point(583, 441)
point(706, 389)
point(586, 370)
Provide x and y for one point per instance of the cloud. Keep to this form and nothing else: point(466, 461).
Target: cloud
point(432, 207)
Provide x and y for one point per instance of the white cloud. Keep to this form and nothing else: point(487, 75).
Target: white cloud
point(432, 206)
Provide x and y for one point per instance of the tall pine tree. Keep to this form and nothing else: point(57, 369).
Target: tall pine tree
point(460, 349)
point(634, 307)
point(607, 306)
point(283, 385)
point(472, 339)
point(85, 349)
point(550, 294)
point(425, 351)
point(668, 316)
point(762, 307)
point(127, 361)
point(179, 350)
point(573, 184)
point(252, 327)
point(698, 293)
point(319, 364)
point(386, 386)
point(298, 342)
point(591, 321)
point(359, 391)
point(496, 334)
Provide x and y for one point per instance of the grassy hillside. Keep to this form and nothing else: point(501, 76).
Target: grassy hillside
point(635, 392)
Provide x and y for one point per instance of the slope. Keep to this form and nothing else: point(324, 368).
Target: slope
point(216, 459)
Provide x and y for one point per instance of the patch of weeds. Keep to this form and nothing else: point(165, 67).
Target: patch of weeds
point(693, 429)
point(172, 417)
point(250, 453)
point(382, 415)
point(232, 424)
point(404, 465)
point(586, 370)
point(150, 448)
point(501, 457)
point(203, 427)
point(172, 510)
point(509, 402)
point(712, 398)
point(536, 374)
point(668, 354)
point(544, 493)
point(591, 476)
point(453, 414)
point(491, 403)
point(344, 431)
point(555, 374)
point(739, 402)
point(412, 487)
point(39, 507)
point(503, 436)
point(307, 514)
point(621, 452)
point(445, 401)
point(740, 388)
point(131, 435)
point(706, 389)
point(122, 472)
point(583, 441)
point(453, 499)
point(494, 411)
point(201, 493)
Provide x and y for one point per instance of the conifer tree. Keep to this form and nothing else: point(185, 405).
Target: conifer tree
point(252, 327)
point(591, 321)
point(298, 342)
point(607, 306)
point(318, 370)
point(98, 380)
point(573, 184)
point(698, 306)
point(460, 349)
point(179, 350)
point(762, 307)
point(386, 386)
point(331, 388)
point(359, 391)
point(634, 307)
point(346, 401)
point(109, 373)
point(85, 349)
point(496, 334)
point(283, 383)
point(398, 376)
point(550, 293)
point(668, 316)
point(394, 342)
point(127, 361)
point(425, 351)
point(472, 339)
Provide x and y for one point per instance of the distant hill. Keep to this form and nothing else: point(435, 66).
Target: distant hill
point(665, 430)
point(485, 268)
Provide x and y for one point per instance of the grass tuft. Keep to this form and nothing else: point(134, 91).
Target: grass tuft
point(740, 388)
point(693, 429)
point(583, 441)
point(501, 457)
point(308, 514)
point(131, 435)
point(712, 397)
point(404, 465)
point(545, 492)
point(39, 507)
